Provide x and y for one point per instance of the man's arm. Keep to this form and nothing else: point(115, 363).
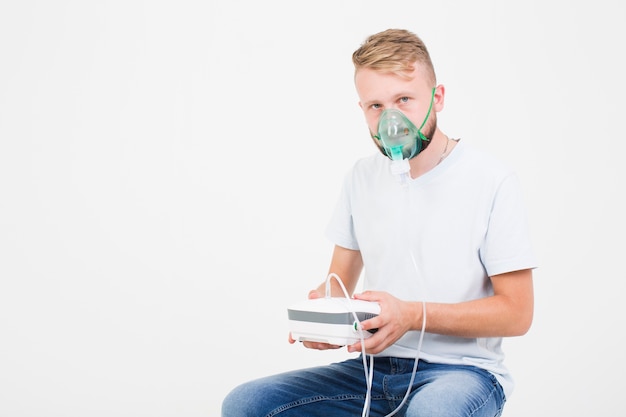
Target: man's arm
point(508, 312)
point(347, 264)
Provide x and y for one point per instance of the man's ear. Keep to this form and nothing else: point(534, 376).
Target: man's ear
point(440, 92)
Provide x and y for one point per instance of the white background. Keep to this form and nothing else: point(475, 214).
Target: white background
point(167, 170)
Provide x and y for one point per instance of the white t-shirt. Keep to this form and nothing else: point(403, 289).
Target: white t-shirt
point(437, 238)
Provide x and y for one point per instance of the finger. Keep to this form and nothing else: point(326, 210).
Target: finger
point(372, 325)
point(368, 296)
point(355, 347)
point(314, 294)
point(320, 346)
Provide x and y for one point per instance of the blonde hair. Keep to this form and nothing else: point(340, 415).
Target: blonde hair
point(393, 50)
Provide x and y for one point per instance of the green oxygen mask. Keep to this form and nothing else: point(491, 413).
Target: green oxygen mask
point(399, 137)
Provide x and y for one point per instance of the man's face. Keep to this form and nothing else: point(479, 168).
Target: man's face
point(412, 96)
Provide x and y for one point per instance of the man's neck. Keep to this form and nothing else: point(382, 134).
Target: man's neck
point(430, 157)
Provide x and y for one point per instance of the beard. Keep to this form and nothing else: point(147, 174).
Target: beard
point(429, 131)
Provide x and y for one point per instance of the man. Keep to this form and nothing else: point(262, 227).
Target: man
point(439, 232)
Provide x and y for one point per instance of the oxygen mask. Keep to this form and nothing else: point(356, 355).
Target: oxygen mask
point(398, 136)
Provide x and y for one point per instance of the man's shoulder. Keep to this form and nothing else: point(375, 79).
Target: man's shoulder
point(482, 159)
point(370, 163)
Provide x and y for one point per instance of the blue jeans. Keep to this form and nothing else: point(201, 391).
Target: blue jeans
point(339, 389)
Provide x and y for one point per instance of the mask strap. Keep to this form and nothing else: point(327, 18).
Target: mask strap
point(419, 131)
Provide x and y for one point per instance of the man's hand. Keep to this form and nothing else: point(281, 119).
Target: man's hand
point(395, 319)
